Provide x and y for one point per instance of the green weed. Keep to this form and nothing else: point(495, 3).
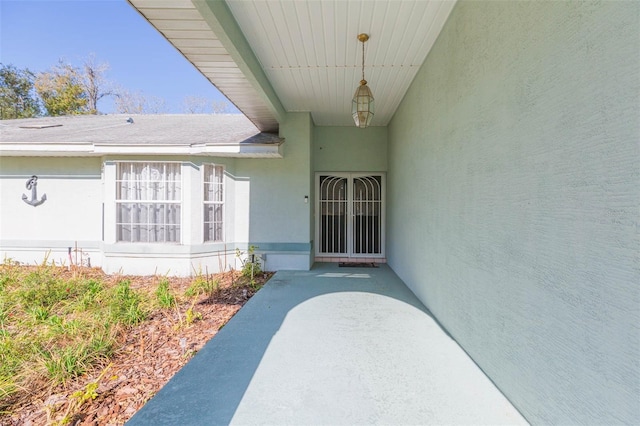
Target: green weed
point(39, 313)
point(192, 316)
point(125, 305)
point(53, 329)
point(251, 265)
point(163, 295)
point(80, 397)
point(203, 285)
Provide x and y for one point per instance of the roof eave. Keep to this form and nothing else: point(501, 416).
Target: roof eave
point(235, 71)
point(272, 150)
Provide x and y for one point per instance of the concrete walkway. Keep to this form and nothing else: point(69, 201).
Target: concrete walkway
point(330, 346)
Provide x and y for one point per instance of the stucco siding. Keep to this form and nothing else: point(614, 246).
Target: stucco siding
point(350, 149)
point(264, 205)
point(279, 218)
point(514, 194)
point(71, 213)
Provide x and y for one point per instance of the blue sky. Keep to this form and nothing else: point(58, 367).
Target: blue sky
point(35, 34)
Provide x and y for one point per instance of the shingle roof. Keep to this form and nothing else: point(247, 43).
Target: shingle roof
point(172, 133)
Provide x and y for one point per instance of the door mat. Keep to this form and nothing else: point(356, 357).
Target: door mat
point(357, 265)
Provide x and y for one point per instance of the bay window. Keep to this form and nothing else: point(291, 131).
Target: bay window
point(148, 202)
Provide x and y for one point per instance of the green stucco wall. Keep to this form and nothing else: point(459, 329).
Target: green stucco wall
point(514, 186)
point(350, 149)
point(278, 213)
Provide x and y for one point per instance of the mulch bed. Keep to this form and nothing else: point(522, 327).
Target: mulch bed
point(150, 354)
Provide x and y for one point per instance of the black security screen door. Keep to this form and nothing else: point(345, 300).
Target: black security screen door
point(349, 215)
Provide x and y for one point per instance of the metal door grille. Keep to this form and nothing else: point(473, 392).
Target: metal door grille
point(367, 208)
point(333, 215)
point(350, 215)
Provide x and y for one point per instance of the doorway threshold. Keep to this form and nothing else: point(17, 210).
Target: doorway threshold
point(357, 265)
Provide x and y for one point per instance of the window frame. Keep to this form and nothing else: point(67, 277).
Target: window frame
point(179, 202)
point(206, 203)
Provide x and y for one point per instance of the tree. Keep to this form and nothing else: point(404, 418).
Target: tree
point(94, 83)
point(194, 104)
point(62, 91)
point(128, 102)
point(156, 105)
point(221, 107)
point(17, 95)
point(66, 89)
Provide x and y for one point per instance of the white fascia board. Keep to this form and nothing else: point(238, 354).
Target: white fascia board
point(93, 150)
point(236, 150)
point(143, 149)
point(46, 150)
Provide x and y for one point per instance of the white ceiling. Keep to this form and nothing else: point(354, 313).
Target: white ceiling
point(309, 50)
point(311, 54)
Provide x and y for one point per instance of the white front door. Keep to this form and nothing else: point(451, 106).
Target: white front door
point(350, 215)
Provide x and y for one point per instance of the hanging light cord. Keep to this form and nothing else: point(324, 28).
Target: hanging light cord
point(363, 62)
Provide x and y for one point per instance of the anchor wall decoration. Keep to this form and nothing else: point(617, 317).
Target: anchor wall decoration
point(32, 184)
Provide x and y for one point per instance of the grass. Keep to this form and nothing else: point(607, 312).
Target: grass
point(163, 294)
point(55, 327)
point(202, 285)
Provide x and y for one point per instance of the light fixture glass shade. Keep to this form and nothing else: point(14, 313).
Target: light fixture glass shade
point(362, 105)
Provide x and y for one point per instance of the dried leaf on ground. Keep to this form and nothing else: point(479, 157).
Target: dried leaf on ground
point(149, 355)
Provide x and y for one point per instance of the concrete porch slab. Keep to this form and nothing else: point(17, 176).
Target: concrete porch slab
point(330, 346)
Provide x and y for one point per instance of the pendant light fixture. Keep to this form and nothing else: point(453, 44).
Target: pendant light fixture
point(362, 104)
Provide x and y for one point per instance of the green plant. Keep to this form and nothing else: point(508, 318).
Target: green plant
point(54, 328)
point(101, 346)
point(163, 295)
point(250, 264)
point(190, 316)
point(39, 313)
point(125, 305)
point(41, 287)
point(56, 325)
point(89, 294)
point(89, 393)
point(66, 363)
point(81, 397)
point(198, 286)
point(8, 261)
point(203, 284)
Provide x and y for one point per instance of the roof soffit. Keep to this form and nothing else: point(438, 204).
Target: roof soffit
point(273, 56)
point(193, 28)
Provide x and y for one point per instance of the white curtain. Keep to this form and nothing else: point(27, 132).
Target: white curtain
point(148, 196)
point(213, 202)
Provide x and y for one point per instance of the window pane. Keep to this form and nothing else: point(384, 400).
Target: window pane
point(173, 233)
point(218, 212)
point(140, 233)
point(217, 235)
point(213, 183)
point(141, 214)
point(124, 232)
point(208, 177)
point(208, 232)
point(208, 213)
point(213, 186)
point(159, 213)
point(173, 217)
point(123, 213)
